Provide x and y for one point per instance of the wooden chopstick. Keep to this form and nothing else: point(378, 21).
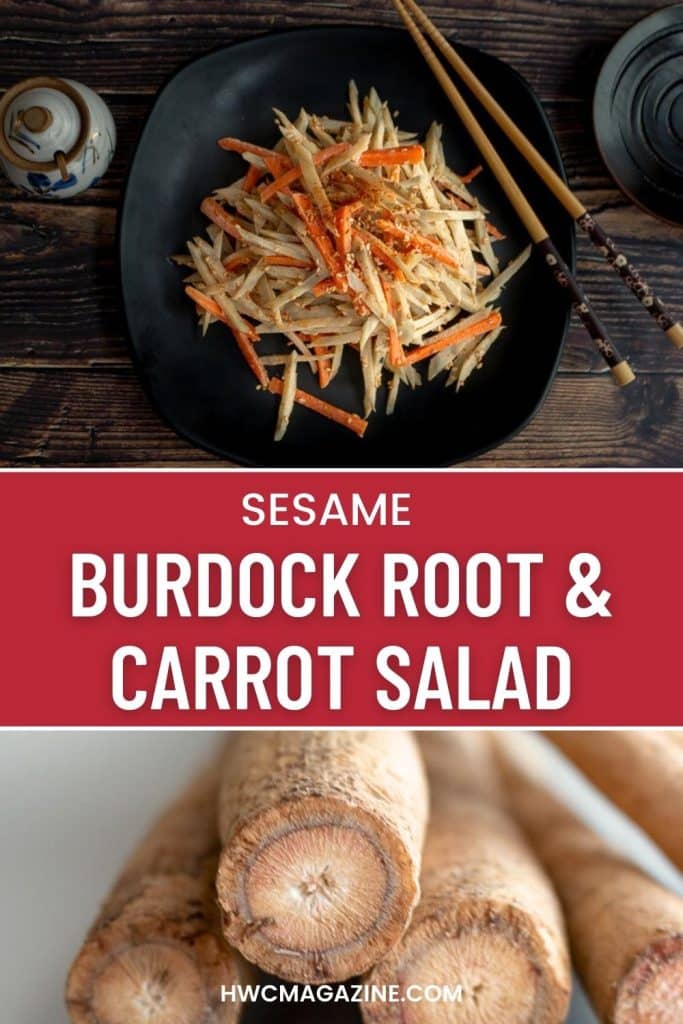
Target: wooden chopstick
point(627, 272)
point(619, 367)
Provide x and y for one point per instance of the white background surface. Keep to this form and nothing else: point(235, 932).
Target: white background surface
point(72, 805)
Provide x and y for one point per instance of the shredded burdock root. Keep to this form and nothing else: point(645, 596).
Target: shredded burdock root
point(349, 235)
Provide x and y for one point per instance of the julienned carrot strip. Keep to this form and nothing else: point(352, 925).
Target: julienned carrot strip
point(213, 307)
point(205, 302)
point(239, 146)
point(252, 178)
point(287, 261)
point(317, 342)
point(392, 157)
point(330, 412)
point(395, 350)
point(325, 287)
point(243, 341)
point(381, 251)
point(277, 164)
point(236, 260)
point(342, 219)
point(246, 347)
point(293, 174)
point(212, 209)
point(316, 229)
point(471, 175)
point(493, 231)
point(420, 242)
point(454, 337)
point(280, 184)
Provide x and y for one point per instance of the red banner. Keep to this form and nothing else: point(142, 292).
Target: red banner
point(251, 598)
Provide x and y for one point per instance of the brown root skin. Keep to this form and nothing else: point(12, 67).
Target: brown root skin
point(625, 929)
point(488, 919)
point(651, 991)
point(642, 772)
point(322, 842)
point(135, 987)
point(156, 953)
point(491, 951)
point(160, 958)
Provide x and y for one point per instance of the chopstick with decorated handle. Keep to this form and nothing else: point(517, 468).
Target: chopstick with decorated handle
point(627, 272)
point(619, 367)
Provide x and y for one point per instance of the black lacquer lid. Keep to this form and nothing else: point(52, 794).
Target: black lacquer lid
point(638, 113)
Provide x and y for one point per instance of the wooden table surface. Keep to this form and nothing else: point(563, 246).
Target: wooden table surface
point(68, 393)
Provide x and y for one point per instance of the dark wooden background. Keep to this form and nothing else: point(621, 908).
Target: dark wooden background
point(68, 392)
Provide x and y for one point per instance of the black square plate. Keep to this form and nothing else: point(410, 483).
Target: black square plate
point(203, 388)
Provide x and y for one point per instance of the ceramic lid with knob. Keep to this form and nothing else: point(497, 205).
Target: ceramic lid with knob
point(44, 124)
point(638, 113)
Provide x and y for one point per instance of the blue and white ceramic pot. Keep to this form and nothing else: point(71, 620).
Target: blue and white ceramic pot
point(57, 137)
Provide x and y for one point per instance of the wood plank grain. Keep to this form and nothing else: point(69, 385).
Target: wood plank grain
point(67, 390)
point(58, 280)
point(136, 44)
point(84, 418)
point(101, 418)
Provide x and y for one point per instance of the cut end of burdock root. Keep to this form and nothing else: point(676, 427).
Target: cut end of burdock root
point(158, 959)
point(154, 982)
point(315, 892)
point(652, 991)
point(149, 984)
point(489, 966)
